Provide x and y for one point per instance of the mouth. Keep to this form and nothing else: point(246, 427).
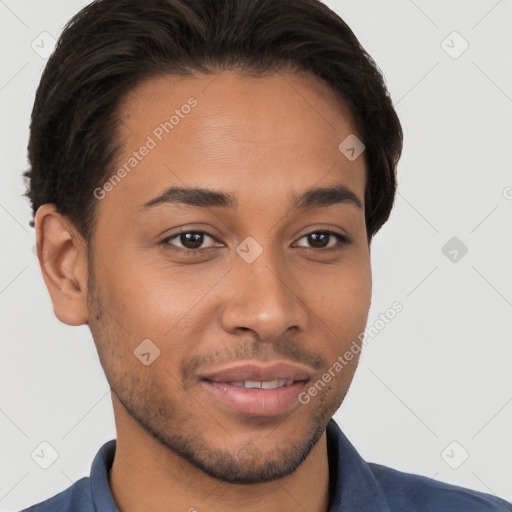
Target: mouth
point(257, 390)
point(265, 384)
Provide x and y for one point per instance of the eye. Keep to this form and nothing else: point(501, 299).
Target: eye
point(191, 241)
point(320, 240)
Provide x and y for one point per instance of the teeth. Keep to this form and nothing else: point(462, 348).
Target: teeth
point(248, 384)
point(268, 384)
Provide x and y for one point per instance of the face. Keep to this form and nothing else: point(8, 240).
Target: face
point(219, 314)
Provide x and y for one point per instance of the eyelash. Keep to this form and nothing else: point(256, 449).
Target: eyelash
point(342, 241)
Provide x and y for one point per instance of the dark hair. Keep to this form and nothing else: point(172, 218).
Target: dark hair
point(110, 46)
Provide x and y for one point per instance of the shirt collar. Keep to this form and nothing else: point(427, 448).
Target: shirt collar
point(101, 493)
point(352, 483)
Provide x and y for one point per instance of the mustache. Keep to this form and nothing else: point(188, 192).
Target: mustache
point(289, 349)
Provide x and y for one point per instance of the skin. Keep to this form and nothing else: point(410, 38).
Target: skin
point(262, 140)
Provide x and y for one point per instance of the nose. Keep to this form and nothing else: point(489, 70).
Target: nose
point(265, 297)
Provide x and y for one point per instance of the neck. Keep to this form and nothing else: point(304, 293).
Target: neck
point(146, 475)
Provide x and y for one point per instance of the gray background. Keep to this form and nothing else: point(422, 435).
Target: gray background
point(438, 373)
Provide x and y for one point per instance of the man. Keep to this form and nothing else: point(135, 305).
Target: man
point(206, 178)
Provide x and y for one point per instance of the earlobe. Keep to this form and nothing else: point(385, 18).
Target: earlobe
point(62, 255)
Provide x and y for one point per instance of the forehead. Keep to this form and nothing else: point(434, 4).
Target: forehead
point(252, 137)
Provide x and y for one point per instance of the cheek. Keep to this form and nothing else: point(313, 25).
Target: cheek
point(131, 294)
point(341, 302)
point(342, 292)
point(156, 300)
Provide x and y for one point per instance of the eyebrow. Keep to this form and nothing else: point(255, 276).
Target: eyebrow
point(312, 198)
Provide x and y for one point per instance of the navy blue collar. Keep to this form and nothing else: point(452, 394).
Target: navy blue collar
point(353, 483)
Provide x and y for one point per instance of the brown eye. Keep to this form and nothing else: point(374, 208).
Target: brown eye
point(321, 240)
point(191, 240)
point(188, 241)
point(318, 240)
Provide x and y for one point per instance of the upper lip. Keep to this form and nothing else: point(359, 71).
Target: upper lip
point(259, 373)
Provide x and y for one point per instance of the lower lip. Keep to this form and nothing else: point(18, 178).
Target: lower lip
point(257, 402)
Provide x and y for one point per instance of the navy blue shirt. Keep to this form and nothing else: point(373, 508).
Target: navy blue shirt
point(354, 485)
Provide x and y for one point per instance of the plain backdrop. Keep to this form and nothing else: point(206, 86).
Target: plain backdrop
point(433, 392)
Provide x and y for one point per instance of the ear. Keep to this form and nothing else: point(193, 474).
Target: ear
point(62, 255)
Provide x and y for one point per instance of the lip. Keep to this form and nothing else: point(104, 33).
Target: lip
point(256, 372)
point(257, 402)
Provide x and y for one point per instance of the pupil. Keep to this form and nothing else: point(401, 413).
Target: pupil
point(191, 240)
point(315, 237)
